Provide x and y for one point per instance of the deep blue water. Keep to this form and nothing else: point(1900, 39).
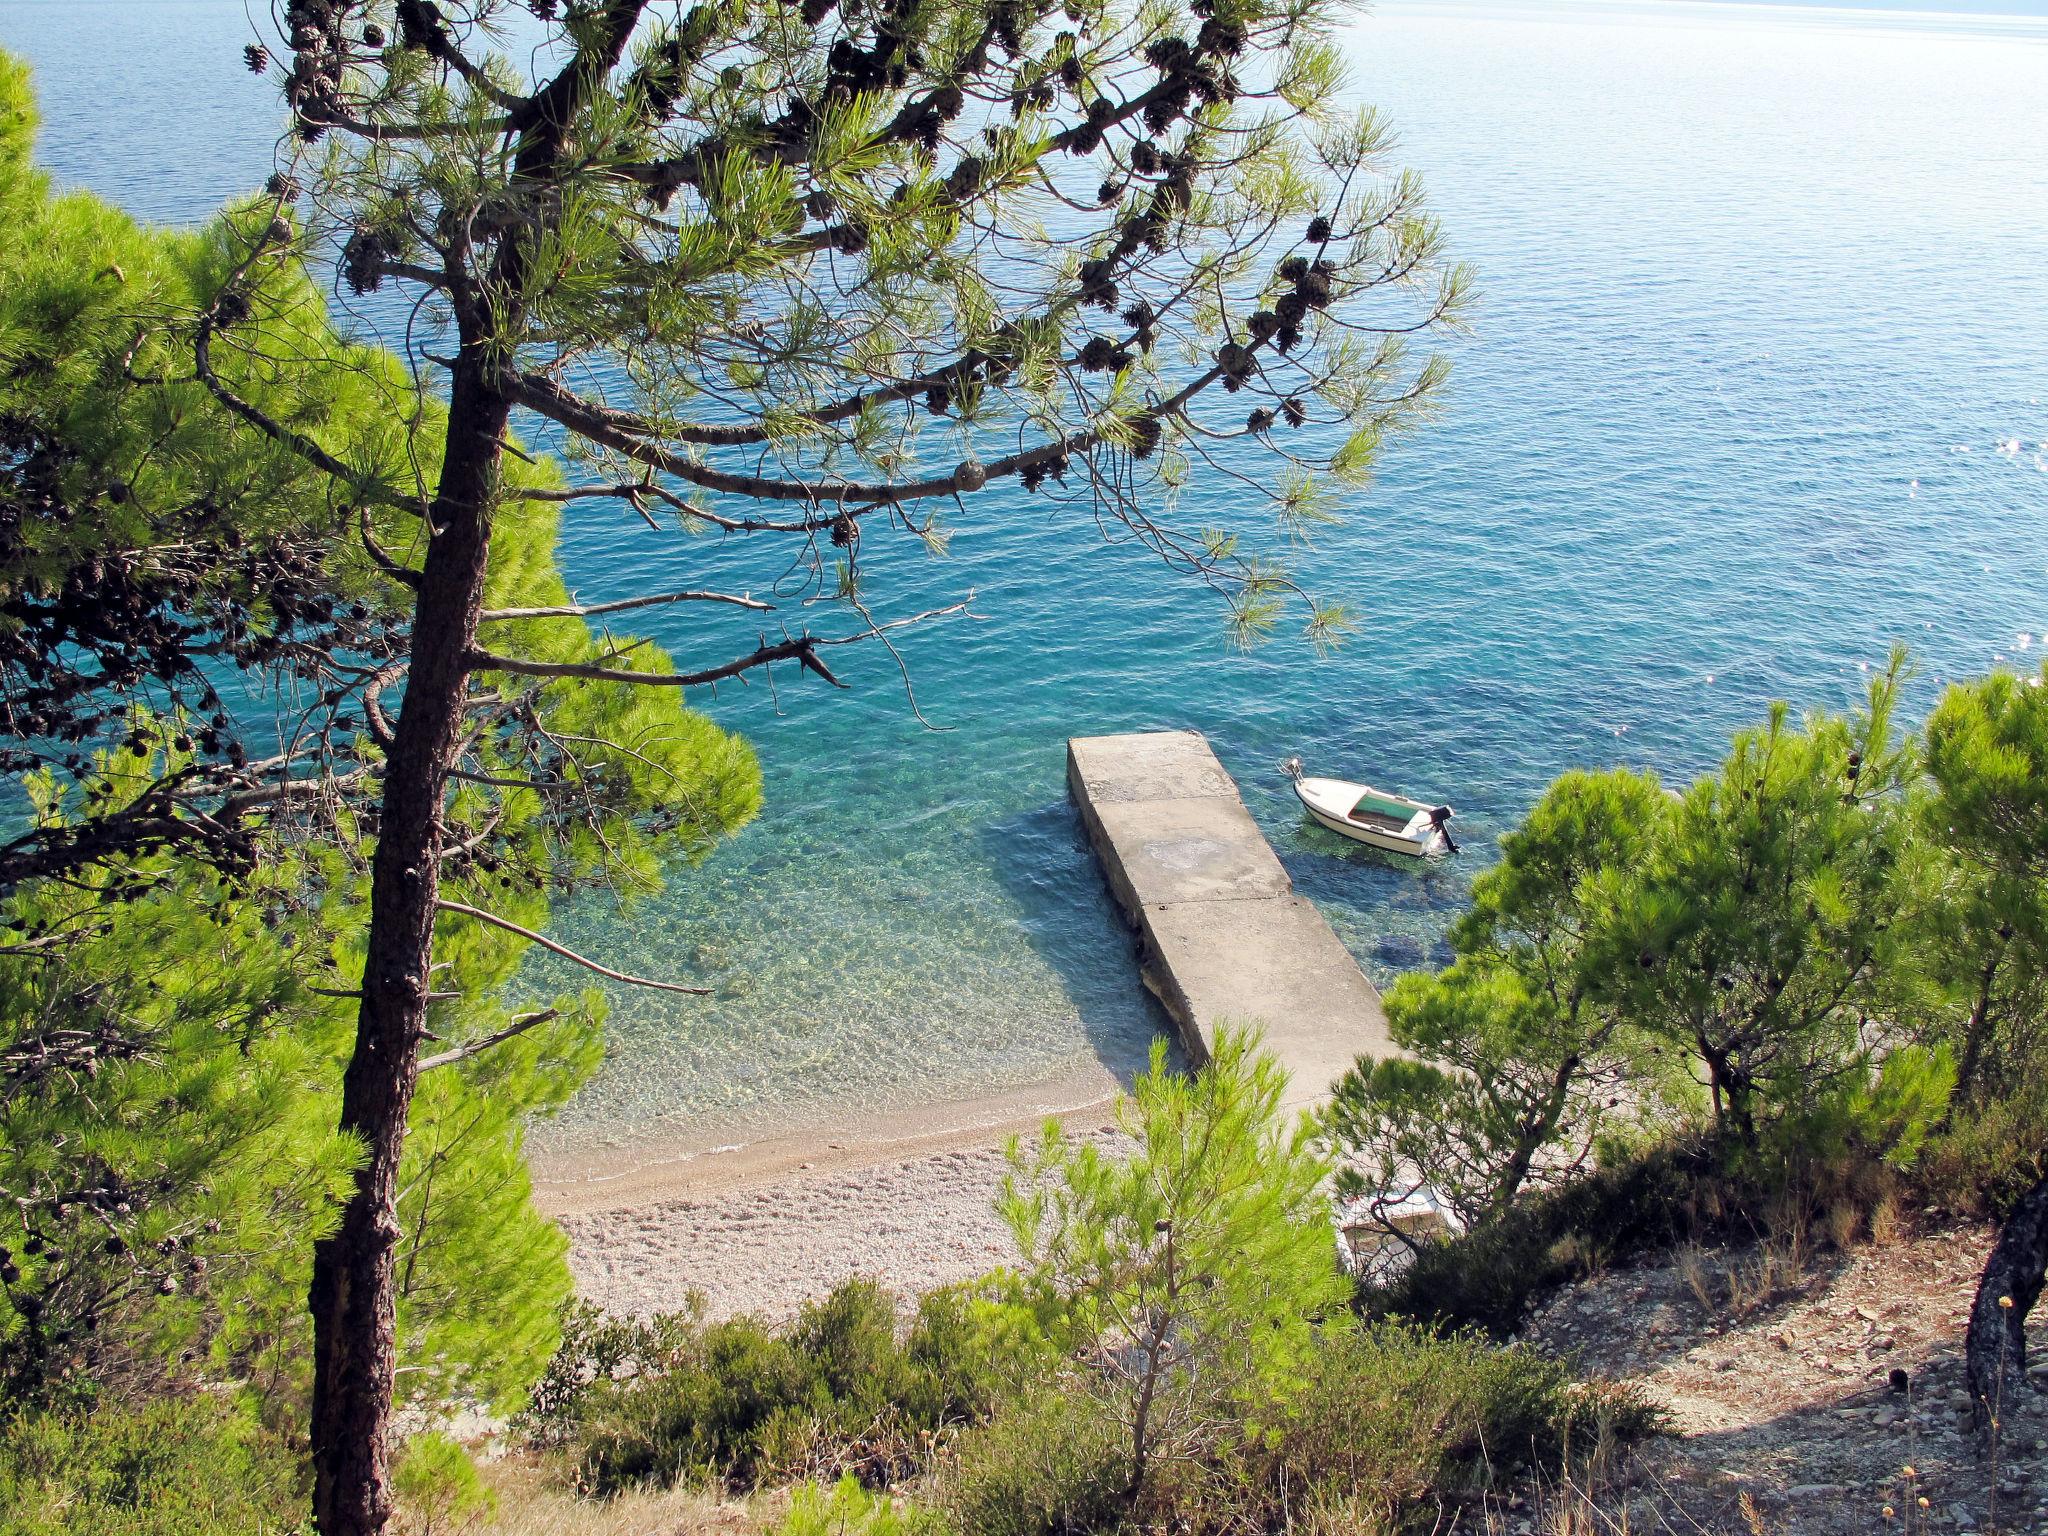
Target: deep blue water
point(1756, 388)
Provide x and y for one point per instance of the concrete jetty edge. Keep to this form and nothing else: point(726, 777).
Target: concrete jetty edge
point(1223, 936)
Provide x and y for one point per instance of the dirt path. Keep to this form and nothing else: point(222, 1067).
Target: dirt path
point(1781, 1386)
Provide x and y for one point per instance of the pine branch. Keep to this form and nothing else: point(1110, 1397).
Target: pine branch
point(589, 610)
point(518, 1026)
point(802, 651)
point(492, 918)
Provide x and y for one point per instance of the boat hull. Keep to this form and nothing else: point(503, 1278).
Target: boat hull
point(1379, 820)
point(1391, 842)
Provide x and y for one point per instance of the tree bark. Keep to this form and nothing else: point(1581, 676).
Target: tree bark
point(353, 1299)
point(1996, 1346)
point(1976, 1029)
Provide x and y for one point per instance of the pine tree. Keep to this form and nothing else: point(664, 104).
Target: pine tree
point(1516, 1052)
point(1764, 920)
point(155, 554)
point(787, 270)
point(182, 906)
point(1200, 1264)
point(1987, 759)
point(1987, 811)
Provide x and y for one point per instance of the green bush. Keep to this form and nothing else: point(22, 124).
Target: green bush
point(1198, 1266)
point(1055, 1463)
point(849, 1339)
point(1491, 1277)
point(983, 1343)
point(597, 1352)
point(1989, 1155)
point(850, 1510)
point(178, 1467)
point(672, 1399)
point(439, 1490)
point(1389, 1419)
point(1406, 1413)
point(723, 1409)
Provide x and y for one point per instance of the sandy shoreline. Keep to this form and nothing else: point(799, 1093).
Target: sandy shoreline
point(904, 1196)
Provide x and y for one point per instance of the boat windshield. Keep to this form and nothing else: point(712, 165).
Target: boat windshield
point(1373, 803)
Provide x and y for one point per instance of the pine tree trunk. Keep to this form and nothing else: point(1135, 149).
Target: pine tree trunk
point(1975, 1031)
point(353, 1298)
point(1996, 1347)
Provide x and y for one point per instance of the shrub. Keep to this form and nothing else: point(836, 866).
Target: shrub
point(1491, 1277)
point(1389, 1419)
point(1406, 1413)
point(1989, 1155)
point(1054, 1464)
point(178, 1467)
point(439, 1491)
point(673, 1399)
point(851, 1510)
point(596, 1352)
point(729, 1406)
point(983, 1343)
point(849, 1339)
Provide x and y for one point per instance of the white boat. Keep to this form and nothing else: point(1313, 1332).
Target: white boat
point(1374, 817)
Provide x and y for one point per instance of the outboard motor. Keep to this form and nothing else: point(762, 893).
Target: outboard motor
point(1292, 768)
point(1440, 818)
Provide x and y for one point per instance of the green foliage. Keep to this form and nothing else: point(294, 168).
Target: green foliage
point(186, 1466)
point(1987, 754)
point(167, 1142)
point(1763, 917)
point(164, 1145)
point(981, 1343)
point(1883, 1117)
point(674, 1399)
point(174, 1009)
point(1986, 934)
point(1200, 1263)
point(1989, 1154)
point(161, 562)
point(440, 1492)
point(1516, 1049)
point(1231, 208)
point(1388, 1419)
point(850, 1338)
point(482, 1276)
point(732, 1405)
point(596, 1353)
point(1796, 946)
point(1054, 1462)
point(1403, 1415)
point(848, 1509)
point(1490, 1276)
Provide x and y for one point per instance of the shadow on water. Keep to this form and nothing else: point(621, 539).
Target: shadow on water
point(1043, 863)
point(1390, 910)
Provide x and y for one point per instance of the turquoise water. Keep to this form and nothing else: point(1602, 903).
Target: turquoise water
point(1756, 388)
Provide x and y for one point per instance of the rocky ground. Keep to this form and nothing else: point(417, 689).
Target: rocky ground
point(1778, 1374)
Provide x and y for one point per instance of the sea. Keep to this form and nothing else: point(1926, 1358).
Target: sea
point(1756, 387)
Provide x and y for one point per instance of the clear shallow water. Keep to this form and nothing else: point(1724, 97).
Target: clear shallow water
point(1765, 289)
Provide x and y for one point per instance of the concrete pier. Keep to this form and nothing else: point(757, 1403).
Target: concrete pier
point(1223, 938)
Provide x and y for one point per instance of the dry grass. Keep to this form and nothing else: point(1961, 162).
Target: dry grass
point(1886, 1224)
point(1739, 1285)
point(533, 1502)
